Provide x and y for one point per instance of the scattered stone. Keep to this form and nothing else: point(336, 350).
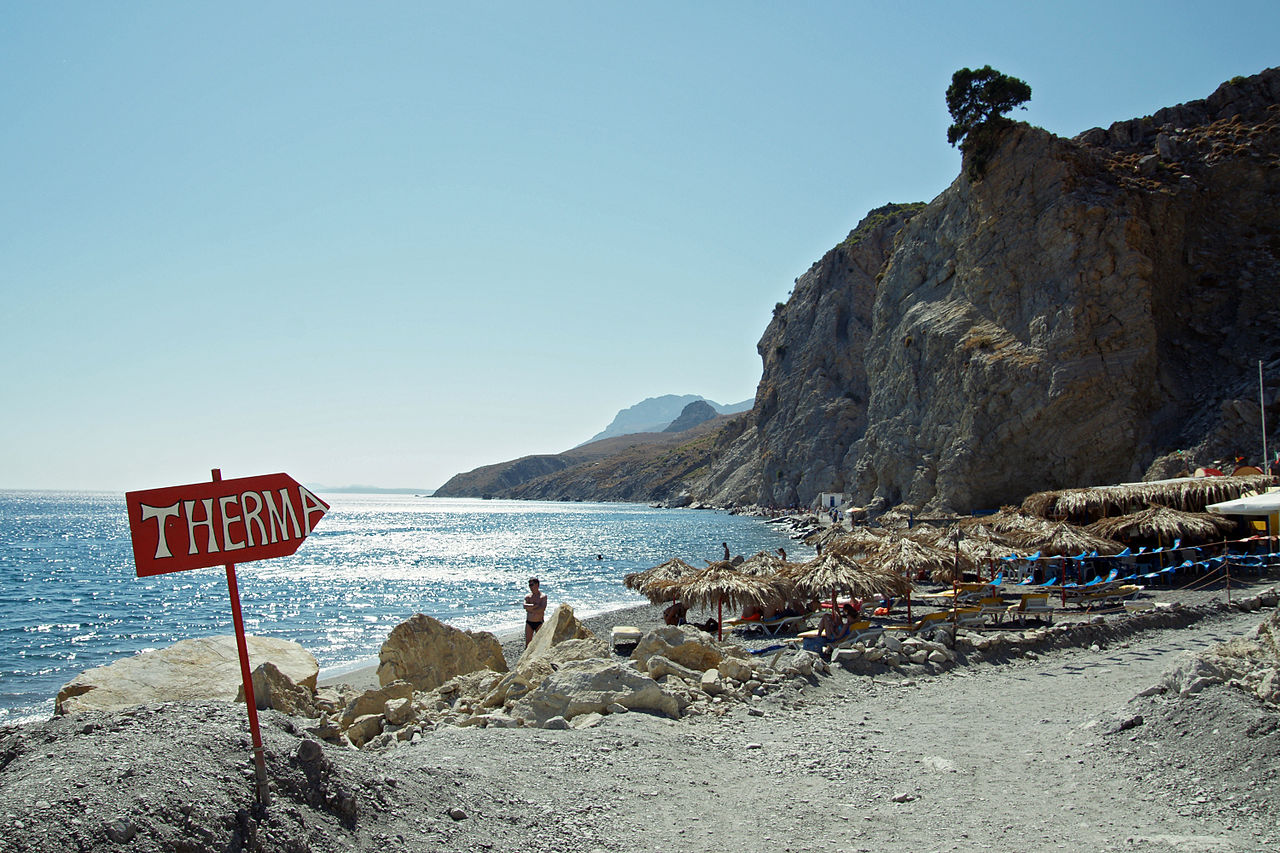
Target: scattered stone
point(120, 831)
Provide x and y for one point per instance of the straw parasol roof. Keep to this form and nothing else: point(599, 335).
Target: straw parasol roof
point(1010, 522)
point(1162, 524)
point(832, 572)
point(668, 571)
point(1067, 540)
point(1190, 494)
point(719, 584)
point(824, 537)
point(763, 564)
point(905, 556)
point(856, 543)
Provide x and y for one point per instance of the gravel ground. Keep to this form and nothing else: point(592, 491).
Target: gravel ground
point(1025, 755)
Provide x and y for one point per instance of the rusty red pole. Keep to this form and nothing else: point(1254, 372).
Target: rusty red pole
point(246, 675)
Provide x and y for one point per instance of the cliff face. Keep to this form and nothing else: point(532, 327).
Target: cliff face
point(812, 401)
point(1086, 308)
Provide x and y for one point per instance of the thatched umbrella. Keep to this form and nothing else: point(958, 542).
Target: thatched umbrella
point(904, 555)
point(668, 571)
point(856, 543)
point(721, 583)
point(820, 539)
point(1064, 540)
point(763, 564)
point(982, 545)
point(1009, 522)
point(1160, 524)
point(832, 572)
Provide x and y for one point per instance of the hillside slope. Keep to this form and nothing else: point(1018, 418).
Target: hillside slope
point(649, 466)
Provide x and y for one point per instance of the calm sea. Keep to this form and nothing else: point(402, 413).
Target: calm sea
point(70, 600)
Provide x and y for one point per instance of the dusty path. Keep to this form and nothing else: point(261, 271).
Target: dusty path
point(1012, 757)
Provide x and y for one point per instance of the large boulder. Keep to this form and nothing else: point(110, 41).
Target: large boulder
point(426, 653)
point(682, 644)
point(197, 670)
point(562, 625)
point(591, 686)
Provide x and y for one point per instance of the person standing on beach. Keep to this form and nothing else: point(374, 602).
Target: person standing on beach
point(725, 546)
point(535, 610)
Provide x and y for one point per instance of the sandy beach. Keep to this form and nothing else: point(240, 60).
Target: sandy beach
point(1031, 753)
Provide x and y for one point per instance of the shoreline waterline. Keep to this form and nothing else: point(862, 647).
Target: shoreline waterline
point(364, 675)
point(73, 602)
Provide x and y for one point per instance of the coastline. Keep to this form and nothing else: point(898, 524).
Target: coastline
point(364, 676)
point(962, 759)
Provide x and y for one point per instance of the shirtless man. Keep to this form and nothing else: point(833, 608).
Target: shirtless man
point(535, 610)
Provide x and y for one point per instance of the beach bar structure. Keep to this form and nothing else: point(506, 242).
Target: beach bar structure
point(1264, 509)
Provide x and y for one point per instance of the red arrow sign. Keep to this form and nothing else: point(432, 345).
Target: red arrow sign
point(220, 522)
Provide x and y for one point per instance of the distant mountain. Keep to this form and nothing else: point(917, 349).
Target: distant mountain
point(655, 414)
point(651, 466)
point(368, 490)
point(697, 412)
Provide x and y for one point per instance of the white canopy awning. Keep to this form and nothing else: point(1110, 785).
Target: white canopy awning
point(1264, 504)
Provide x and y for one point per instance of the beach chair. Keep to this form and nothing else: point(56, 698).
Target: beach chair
point(773, 627)
point(1033, 605)
point(927, 624)
point(859, 632)
point(969, 618)
point(992, 608)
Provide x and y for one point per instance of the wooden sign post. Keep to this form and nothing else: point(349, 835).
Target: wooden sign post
point(218, 523)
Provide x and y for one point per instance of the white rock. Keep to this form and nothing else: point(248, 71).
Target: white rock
point(658, 666)
point(591, 686)
point(188, 671)
point(682, 644)
point(711, 683)
point(426, 653)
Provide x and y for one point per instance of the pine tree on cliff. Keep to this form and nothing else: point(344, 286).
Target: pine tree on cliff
point(978, 101)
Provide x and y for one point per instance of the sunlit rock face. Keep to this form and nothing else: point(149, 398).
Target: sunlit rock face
point(1081, 312)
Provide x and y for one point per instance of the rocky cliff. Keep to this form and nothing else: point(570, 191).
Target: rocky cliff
point(1079, 314)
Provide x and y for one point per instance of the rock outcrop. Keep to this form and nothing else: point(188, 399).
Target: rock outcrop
point(188, 671)
point(1085, 310)
point(426, 653)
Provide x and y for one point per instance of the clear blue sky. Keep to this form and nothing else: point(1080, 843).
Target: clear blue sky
point(383, 243)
